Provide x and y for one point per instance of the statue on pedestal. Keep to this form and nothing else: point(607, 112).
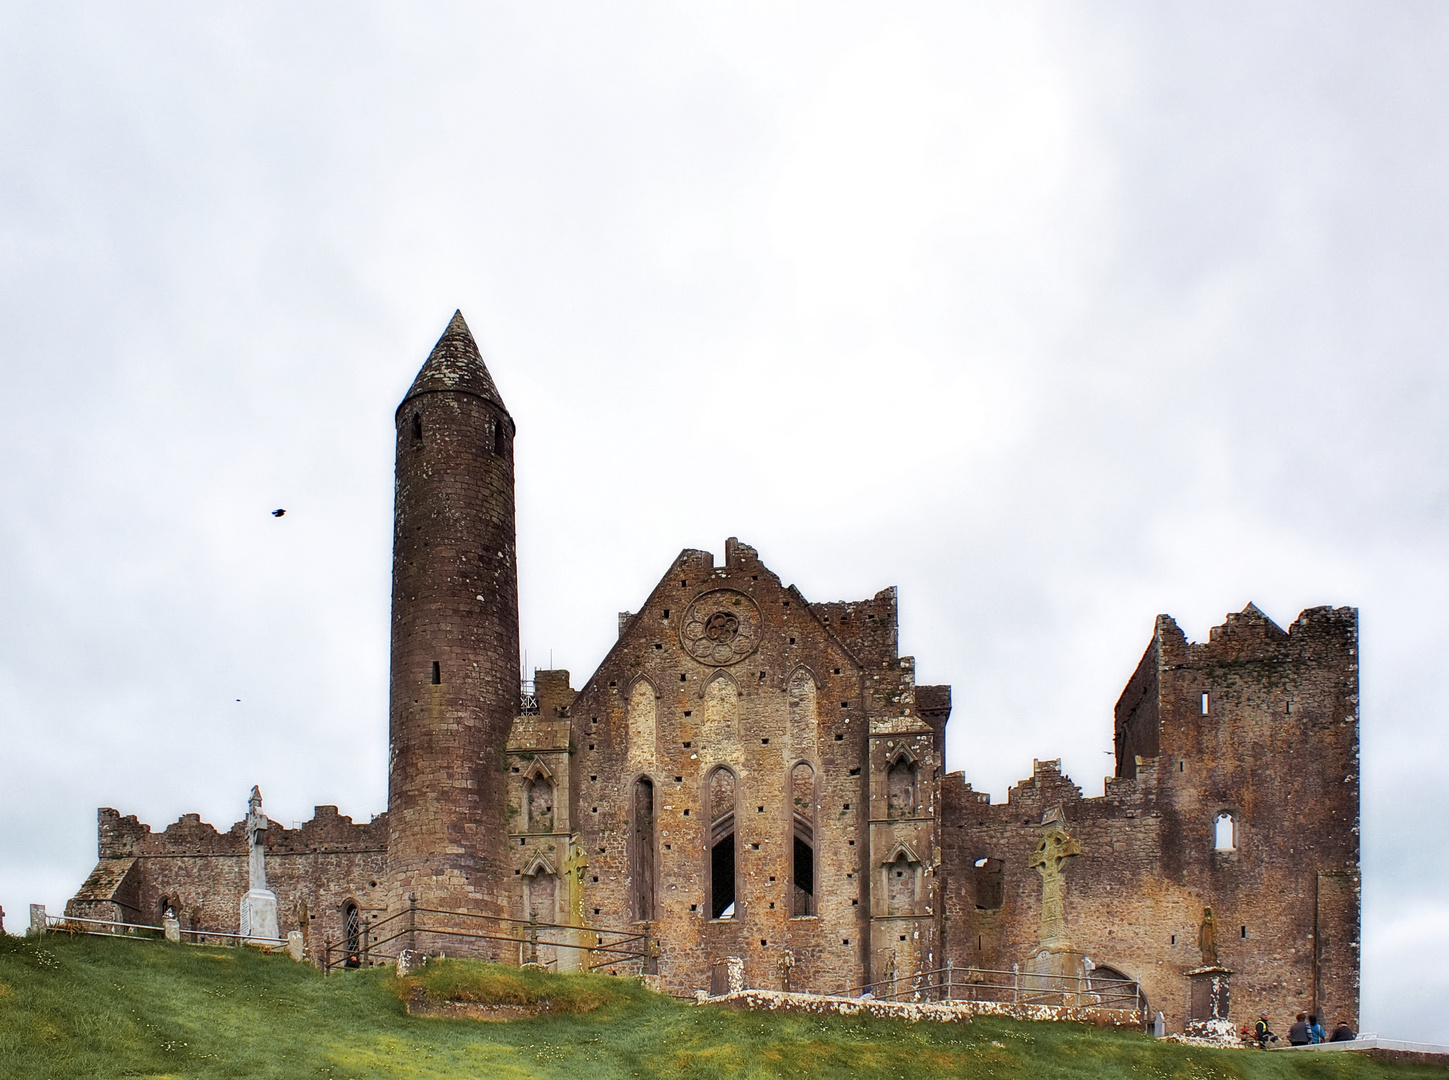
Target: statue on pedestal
point(259, 905)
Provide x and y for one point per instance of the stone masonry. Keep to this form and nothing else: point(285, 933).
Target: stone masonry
point(755, 784)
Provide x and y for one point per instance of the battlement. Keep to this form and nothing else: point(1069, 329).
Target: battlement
point(328, 831)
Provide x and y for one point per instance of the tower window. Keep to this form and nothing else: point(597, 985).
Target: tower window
point(499, 439)
point(417, 427)
point(1225, 833)
point(437, 673)
point(1204, 702)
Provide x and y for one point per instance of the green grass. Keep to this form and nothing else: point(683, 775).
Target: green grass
point(89, 1007)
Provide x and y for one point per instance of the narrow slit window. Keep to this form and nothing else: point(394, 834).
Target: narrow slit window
point(417, 427)
point(1204, 702)
point(500, 446)
point(437, 673)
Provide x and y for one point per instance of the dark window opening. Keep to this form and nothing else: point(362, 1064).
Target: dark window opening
point(804, 878)
point(642, 853)
point(500, 440)
point(722, 878)
point(417, 427)
point(989, 884)
point(437, 673)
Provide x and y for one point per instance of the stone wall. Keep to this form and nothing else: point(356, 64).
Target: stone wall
point(759, 726)
point(315, 870)
point(1275, 746)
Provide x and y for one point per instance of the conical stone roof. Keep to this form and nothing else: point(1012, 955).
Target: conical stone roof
point(456, 364)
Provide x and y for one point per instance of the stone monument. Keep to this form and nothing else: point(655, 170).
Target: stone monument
point(259, 905)
point(1054, 970)
point(1210, 994)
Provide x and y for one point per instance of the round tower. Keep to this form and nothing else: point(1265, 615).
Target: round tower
point(455, 688)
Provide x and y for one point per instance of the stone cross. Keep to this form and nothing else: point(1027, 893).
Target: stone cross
point(256, 846)
point(1050, 860)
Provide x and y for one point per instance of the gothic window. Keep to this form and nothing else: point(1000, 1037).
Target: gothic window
point(1225, 832)
point(538, 796)
point(720, 789)
point(642, 725)
point(802, 871)
point(641, 851)
point(352, 934)
point(989, 884)
point(902, 786)
point(803, 722)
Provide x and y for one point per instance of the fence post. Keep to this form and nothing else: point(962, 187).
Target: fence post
point(1015, 983)
point(948, 980)
point(326, 957)
point(366, 930)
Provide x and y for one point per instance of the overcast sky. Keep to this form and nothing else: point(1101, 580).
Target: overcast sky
point(1057, 317)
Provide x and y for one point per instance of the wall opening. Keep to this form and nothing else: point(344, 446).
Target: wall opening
point(500, 439)
point(641, 854)
point(802, 869)
point(902, 785)
point(990, 884)
point(437, 673)
point(722, 791)
point(1225, 832)
point(352, 934)
point(1205, 702)
point(417, 427)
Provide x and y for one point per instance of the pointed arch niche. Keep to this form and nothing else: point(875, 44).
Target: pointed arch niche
point(540, 892)
point(722, 711)
point(804, 717)
point(802, 863)
point(902, 873)
point(538, 798)
point(903, 785)
point(721, 789)
point(643, 725)
point(642, 875)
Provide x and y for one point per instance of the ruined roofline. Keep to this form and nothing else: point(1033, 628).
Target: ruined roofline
point(1047, 776)
point(1252, 622)
point(125, 837)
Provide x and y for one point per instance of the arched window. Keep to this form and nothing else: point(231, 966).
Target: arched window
point(641, 851)
point(642, 725)
point(720, 789)
point(802, 869)
point(352, 934)
point(538, 796)
point(803, 714)
point(902, 786)
point(1225, 832)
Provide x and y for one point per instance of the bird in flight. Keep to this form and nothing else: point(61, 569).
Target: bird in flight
point(278, 513)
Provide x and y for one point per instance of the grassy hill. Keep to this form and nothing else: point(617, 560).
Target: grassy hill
point(90, 1007)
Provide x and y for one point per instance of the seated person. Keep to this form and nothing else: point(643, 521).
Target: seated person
point(1298, 1034)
